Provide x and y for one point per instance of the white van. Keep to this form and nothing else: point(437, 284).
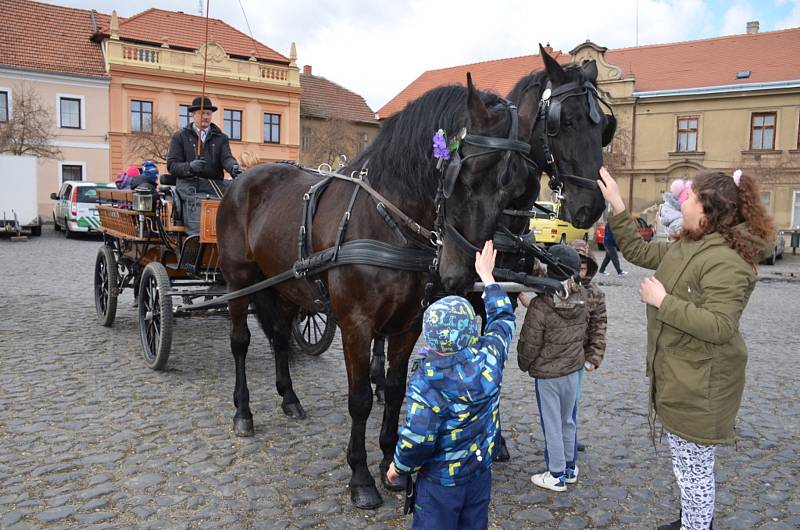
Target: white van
point(76, 209)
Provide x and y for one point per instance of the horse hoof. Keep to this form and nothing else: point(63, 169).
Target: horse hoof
point(365, 497)
point(380, 395)
point(400, 485)
point(243, 427)
point(294, 410)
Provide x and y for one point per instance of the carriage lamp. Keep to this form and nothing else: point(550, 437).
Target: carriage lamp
point(142, 200)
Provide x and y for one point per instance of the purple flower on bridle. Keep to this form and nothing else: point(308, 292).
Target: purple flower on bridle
point(441, 150)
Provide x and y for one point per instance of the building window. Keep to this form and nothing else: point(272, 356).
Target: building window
point(70, 172)
point(3, 106)
point(305, 142)
point(762, 130)
point(141, 116)
point(233, 124)
point(184, 118)
point(687, 134)
point(766, 199)
point(272, 128)
point(70, 113)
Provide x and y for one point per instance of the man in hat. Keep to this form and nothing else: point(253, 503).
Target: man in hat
point(200, 177)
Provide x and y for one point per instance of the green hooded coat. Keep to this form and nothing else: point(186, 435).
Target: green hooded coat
point(696, 356)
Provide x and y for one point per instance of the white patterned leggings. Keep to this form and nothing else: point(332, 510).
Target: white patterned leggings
point(693, 465)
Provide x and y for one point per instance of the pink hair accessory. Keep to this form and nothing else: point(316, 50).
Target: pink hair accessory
point(737, 177)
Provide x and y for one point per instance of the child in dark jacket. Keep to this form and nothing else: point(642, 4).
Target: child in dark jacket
point(452, 404)
point(551, 350)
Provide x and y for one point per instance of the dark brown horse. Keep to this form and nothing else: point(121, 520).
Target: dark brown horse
point(258, 224)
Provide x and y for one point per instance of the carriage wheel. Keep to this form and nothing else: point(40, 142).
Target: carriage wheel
point(106, 283)
point(155, 315)
point(313, 332)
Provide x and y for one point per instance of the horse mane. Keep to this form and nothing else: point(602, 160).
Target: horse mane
point(539, 78)
point(401, 156)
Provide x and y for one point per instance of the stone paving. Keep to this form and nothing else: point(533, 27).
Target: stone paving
point(91, 438)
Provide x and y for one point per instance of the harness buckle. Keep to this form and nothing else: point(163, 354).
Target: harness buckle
point(550, 158)
point(306, 197)
point(436, 241)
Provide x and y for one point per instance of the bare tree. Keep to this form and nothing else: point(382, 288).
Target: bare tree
point(617, 154)
point(29, 129)
point(153, 145)
point(328, 139)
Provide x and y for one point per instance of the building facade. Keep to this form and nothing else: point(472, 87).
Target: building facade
point(334, 121)
point(156, 60)
point(722, 104)
point(66, 76)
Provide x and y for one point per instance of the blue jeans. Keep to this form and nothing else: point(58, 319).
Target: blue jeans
point(463, 507)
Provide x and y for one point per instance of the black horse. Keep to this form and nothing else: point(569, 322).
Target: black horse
point(259, 220)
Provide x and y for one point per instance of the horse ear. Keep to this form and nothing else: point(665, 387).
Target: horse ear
point(551, 66)
point(478, 113)
point(590, 71)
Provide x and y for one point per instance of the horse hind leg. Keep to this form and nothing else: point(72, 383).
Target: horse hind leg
point(276, 323)
point(240, 342)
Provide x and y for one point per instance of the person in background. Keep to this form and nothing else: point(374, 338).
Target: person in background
point(452, 404)
point(696, 355)
point(670, 211)
point(610, 245)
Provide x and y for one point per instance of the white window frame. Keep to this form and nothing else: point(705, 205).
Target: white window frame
point(795, 202)
point(7, 90)
point(62, 163)
point(82, 99)
point(769, 204)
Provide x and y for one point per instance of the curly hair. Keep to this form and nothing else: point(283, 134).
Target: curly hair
point(725, 206)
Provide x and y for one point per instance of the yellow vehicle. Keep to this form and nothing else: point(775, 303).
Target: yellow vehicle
point(548, 229)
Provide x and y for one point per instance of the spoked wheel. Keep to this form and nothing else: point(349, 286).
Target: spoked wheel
point(313, 332)
point(155, 315)
point(106, 283)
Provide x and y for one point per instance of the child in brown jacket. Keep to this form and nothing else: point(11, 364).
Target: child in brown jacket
point(551, 350)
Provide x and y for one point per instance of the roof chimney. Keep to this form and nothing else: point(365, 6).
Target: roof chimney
point(752, 27)
point(114, 26)
point(307, 69)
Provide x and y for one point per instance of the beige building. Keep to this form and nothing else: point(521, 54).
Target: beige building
point(333, 121)
point(722, 103)
point(70, 82)
point(156, 61)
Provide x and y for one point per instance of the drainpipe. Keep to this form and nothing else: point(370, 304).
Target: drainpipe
point(633, 155)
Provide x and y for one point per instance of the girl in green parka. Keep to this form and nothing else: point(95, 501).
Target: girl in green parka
point(696, 356)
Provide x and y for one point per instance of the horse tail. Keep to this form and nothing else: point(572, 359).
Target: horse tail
point(271, 318)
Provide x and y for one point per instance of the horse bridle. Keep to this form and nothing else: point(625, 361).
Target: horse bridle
point(549, 111)
point(487, 145)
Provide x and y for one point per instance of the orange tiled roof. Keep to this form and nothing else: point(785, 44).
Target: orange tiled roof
point(325, 99)
point(188, 31)
point(770, 56)
point(50, 38)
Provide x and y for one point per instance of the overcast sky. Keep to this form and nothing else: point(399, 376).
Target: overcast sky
point(376, 48)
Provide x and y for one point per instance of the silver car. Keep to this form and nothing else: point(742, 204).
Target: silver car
point(76, 206)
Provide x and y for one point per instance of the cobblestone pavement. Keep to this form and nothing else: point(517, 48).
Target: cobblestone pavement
point(91, 438)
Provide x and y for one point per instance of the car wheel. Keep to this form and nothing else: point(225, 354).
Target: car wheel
point(56, 226)
point(36, 231)
point(67, 231)
point(563, 240)
point(771, 260)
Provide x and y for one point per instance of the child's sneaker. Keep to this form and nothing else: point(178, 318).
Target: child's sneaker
point(571, 475)
point(548, 481)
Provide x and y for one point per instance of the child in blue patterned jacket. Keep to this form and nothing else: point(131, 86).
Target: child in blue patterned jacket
point(452, 404)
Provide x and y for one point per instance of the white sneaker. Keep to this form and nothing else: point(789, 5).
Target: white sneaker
point(571, 475)
point(548, 481)
point(622, 273)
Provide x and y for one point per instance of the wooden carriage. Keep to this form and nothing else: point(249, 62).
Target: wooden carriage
point(146, 249)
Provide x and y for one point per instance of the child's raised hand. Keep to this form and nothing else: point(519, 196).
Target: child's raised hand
point(484, 262)
point(610, 190)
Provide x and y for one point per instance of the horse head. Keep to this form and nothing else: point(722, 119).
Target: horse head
point(484, 175)
point(569, 133)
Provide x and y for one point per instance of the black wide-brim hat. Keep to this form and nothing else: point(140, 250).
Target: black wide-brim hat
point(206, 104)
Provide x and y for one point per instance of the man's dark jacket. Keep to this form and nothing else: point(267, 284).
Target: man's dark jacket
point(216, 150)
